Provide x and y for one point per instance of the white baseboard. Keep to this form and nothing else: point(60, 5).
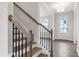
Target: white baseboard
point(64, 39)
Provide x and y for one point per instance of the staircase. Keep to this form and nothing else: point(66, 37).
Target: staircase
point(23, 38)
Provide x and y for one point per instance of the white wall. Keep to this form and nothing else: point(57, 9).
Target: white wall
point(77, 28)
point(10, 12)
point(43, 10)
point(75, 23)
point(66, 36)
point(3, 29)
point(32, 8)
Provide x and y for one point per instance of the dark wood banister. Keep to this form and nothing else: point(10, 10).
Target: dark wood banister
point(31, 17)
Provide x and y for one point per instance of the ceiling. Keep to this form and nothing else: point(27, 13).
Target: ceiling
point(67, 6)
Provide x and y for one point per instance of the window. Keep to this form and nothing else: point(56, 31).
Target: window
point(63, 24)
point(44, 21)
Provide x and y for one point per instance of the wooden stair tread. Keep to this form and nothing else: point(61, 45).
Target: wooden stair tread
point(34, 51)
point(20, 46)
point(43, 55)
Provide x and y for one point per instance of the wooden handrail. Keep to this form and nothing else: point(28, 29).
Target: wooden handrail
point(20, 26)
point(45, 28)
point(26, 13)
point(31, 17)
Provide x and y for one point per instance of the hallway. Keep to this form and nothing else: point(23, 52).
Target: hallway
point(63, 48)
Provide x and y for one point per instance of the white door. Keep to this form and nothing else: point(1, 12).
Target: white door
point(64, 26)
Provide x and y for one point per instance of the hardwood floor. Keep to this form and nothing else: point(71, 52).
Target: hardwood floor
point(63, 48)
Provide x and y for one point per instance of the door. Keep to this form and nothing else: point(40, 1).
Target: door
point(64, 26)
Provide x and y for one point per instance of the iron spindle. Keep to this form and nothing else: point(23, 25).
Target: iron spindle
point(13, 39)
point(25, 47)
point(19, 43)
point(51, 44)
point(16, 41)
point(22, 45)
